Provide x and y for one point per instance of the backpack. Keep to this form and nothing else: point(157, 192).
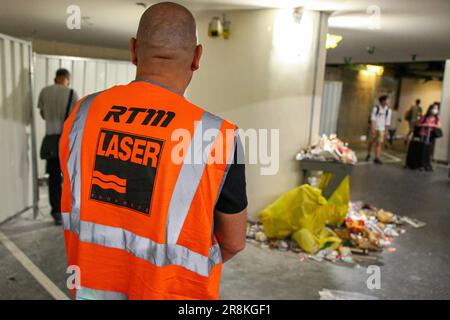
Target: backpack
point(377, 112)
point(408, 115)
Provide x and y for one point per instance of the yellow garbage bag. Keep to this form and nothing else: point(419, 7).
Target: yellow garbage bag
point(312, 243)
point(300, 212)
point(339, 201)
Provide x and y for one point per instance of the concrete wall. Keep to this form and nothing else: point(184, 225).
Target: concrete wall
point(412, 89)
point(263, 77)
point(442, 150)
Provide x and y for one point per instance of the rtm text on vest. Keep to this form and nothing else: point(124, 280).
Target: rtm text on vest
point(145, 116)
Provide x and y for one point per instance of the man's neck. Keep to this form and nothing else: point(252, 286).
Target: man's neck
point(172, 84)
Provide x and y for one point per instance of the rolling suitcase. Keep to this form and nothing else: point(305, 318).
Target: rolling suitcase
point(419, 155)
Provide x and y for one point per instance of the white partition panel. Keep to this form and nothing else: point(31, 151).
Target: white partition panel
point(331, 100)
point(88, 76)
point(15, 126)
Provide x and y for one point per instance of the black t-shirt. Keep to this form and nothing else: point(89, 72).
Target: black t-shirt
point(233, 196)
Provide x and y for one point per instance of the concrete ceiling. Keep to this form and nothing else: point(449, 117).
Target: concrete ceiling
point(404, 27)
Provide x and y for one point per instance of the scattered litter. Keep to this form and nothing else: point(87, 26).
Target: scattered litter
point(334, 229)
point(315, 258)
point(260, 236)
point(413, 222)
point(302, 257)
point(329, 148)
point(366, 229)
point(327, 294)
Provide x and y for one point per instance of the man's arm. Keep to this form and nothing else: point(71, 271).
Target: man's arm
point(230, 230)
point(373, 122)
point(230, 214)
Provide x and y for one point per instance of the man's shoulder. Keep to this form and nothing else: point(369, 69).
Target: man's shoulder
point(47, 89)
point(210, 115)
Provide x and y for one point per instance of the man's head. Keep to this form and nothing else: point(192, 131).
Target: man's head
point(417, 102)
point(62, 77)
point(384, 100)
point(165, 47)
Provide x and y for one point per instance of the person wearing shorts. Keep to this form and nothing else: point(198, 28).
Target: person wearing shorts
point(380, 121)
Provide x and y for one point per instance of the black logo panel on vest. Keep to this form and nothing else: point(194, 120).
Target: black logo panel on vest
point(125, 169)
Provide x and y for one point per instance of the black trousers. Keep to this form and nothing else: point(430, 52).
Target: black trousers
point(54, 187)
point(391, 136)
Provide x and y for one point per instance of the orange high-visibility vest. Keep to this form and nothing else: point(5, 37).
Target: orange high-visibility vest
point(142, 171)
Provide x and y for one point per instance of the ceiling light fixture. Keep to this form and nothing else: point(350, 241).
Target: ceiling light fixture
point(333, 40)
point(377, 70)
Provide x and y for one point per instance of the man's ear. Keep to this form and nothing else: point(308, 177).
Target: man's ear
point(198, 54)
point(133, 51)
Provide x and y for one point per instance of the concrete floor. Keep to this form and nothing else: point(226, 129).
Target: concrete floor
point(419, 269)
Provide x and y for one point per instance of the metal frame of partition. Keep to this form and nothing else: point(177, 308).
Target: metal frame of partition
point(33, 140)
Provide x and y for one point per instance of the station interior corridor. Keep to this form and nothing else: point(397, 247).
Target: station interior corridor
point(302, 83)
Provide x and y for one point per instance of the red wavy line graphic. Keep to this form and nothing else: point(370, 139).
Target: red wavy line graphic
point(110, 178)
point(108, 185)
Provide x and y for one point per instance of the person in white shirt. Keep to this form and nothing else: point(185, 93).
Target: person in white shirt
point(396, 118)
point(380, 120)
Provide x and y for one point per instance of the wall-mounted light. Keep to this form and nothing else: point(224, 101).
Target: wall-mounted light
point(376, 70)
point(298, 14)
point(226, 27)
point(333, 40)
point(219, 28)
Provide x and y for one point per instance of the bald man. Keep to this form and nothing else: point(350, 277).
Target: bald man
point(154, 196)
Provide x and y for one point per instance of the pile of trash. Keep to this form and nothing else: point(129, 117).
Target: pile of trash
point(365, 229)
point(329, 149)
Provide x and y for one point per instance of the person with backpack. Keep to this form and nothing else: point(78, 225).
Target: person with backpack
point(412, 116)
point(380, 120)
point(55, 103)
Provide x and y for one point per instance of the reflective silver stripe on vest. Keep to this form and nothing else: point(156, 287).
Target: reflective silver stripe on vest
point(74, 165)
point(189, 178)
point(84, 293)
point(144, 248)
point(65, 216)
